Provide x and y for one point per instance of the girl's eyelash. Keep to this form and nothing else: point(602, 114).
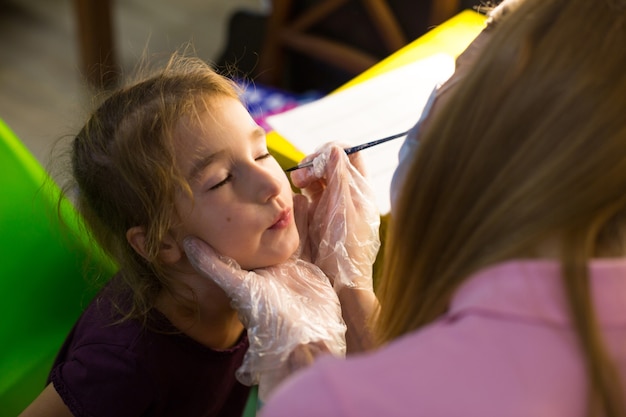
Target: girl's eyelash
point(219, 184)
point(229, 177)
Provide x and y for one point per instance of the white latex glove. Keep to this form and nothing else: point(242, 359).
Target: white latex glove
point(290, 312)
point(343, 218)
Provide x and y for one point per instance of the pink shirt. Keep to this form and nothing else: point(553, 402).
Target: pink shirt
point(505, 348)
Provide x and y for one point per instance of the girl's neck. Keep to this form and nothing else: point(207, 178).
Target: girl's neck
point(203, 313)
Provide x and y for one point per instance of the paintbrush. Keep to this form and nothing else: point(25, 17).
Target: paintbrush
point(353, 149)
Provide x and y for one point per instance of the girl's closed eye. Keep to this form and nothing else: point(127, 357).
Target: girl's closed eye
point(263, 156)
point(221, 183)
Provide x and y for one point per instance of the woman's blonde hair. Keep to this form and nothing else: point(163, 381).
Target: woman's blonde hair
point(123, 165)
point(529, 148)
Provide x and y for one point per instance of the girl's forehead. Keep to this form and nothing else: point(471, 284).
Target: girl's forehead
point(224, 127)
point(200, 138)
point(211, 117)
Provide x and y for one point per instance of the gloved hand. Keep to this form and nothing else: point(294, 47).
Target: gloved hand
point(290, 312)
point(343, 218)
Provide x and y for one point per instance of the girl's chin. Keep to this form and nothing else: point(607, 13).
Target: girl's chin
point(275, 260)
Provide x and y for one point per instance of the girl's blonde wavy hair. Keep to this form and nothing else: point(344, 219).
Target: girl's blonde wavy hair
point(123, 165)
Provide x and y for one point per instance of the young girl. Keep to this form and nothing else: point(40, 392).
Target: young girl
point(169, 157)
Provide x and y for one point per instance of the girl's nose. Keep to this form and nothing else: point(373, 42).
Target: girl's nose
point(264, 184)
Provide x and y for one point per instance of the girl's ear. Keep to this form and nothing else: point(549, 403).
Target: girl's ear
point(136, 237)
point(169, 251)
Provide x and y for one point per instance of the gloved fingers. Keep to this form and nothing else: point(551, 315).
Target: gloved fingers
point(347, 221)
point(326, 158)
point(313, 178)
point(305, 178)
point(224, 271)
point(344, 173)
point(343, 216)
point(304, 355)
point(301, 216)
point(346, 189)
point(354, 191)
point(313, 181)
point(358, 162)
point(301, 210)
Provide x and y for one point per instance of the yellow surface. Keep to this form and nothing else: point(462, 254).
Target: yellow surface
point(451, 37)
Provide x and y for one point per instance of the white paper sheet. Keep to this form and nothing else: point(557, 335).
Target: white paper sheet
point(382, 106)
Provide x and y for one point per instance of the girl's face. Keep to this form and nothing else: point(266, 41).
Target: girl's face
point(242, 200)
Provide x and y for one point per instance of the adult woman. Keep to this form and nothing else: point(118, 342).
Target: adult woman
point(504, 290)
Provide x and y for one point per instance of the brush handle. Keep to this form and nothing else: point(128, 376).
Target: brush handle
point(362, 146)
point(354, 149)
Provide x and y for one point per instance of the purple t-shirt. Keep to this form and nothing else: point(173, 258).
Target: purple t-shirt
point(106, 369)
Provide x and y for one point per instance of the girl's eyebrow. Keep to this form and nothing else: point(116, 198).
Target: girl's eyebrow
point(207, 160)
point(203, 162)
point(258, 132)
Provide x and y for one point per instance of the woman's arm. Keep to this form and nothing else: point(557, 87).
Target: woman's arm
point(358, 308)
point(47, 404)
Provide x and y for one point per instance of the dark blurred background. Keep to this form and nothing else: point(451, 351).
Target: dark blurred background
point(45, 92)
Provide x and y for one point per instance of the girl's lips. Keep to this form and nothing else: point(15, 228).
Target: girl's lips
point(283, 220)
